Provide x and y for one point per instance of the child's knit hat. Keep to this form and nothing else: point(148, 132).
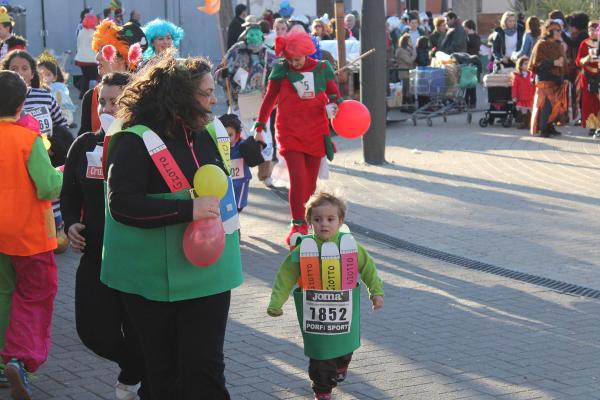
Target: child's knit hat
point(5, 16)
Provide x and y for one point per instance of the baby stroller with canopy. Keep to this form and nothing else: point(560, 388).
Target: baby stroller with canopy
point(501, 105)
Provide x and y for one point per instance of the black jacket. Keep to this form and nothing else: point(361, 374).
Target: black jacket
point(422, 59)
point(455, 40)
point(499, 43)
point(473, 44)
point(573, 44)
point(82, 194)
point(234, 31)
point(14, 41)
point(132, 175)
point(86, 113)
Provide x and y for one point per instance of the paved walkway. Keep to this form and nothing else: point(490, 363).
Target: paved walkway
point(445, 332)
point(495, 195)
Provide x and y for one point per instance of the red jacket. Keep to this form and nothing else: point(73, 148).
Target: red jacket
point(523, 89)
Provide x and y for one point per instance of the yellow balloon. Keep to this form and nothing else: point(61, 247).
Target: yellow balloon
point(210, 180)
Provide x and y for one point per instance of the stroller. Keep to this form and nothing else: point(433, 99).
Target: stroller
point(502, 107)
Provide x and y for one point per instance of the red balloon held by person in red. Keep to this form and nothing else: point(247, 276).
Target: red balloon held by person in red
point(204, 241)
point(352, 119)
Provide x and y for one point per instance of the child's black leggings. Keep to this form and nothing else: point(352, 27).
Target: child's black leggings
point(323, 373)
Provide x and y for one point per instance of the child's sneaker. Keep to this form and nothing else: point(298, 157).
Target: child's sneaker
point(17, 377)
point(341, 375)
point(268, 181)
point(3, 380)
point(126, 392)
point(322, 396)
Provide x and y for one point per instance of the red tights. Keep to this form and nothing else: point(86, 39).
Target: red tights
point(304, 170)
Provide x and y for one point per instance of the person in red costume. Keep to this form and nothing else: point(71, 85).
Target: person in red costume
point(588, 62)
point(302, 88)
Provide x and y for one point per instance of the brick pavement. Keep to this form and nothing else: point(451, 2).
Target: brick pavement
point(492, 194)
point(445, 332)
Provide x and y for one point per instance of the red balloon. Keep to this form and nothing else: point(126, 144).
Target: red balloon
point(352, 119)
point(204, 241)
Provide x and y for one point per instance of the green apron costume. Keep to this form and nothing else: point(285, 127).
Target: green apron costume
point(327, 346)
point(151, 262)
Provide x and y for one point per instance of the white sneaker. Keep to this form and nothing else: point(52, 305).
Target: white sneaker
point(268, 181)
point(126, 392)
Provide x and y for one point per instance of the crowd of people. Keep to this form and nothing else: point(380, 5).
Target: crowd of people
point(120, 192)
point(553, 62)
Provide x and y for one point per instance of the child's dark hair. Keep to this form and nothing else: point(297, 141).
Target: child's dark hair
point(54, 68)
point(35, 81)
point(470, 24)
point(231, 121)
point(9, 25)
point(320, 198)
point(520, 61)
point(15, 92)
point(423, 42)
point(116, 79)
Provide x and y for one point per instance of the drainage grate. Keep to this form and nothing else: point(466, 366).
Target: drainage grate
point(562, 287)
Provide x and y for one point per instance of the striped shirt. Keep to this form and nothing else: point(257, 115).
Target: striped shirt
point(42, 98)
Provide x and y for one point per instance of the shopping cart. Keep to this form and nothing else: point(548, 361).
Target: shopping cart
point(444, 89)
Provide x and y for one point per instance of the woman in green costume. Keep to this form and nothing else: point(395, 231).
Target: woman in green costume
point(178, 310)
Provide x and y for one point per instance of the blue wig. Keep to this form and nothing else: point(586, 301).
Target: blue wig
point(160, 28)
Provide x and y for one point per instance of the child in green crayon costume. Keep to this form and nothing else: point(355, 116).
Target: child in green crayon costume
point(325, 213)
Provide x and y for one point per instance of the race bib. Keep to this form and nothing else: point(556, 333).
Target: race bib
point(237, 168)
point(42, 115)
point(94, 164)
point(229, 212)
point(327, 312)
point(306, 86)
point(241, 78)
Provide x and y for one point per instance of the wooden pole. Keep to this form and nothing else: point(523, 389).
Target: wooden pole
point(221, 39)
point(373, 72)
point(363, 55)
point(340, 35)
point(225, 17)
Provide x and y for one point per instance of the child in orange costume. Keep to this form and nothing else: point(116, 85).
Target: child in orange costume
point(27, 238)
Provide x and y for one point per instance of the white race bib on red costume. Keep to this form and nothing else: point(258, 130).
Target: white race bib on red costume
point(306, 86)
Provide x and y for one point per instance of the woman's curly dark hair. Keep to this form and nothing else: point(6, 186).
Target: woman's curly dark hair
point(5, 65)
point(162, 96)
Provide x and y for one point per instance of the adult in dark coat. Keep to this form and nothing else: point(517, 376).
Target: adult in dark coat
point(235, 27)
point(456, 38)
point(473, 44)
point(578, 34)
point(505, 43)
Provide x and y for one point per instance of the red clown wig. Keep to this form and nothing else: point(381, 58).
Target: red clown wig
point(294, 44)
